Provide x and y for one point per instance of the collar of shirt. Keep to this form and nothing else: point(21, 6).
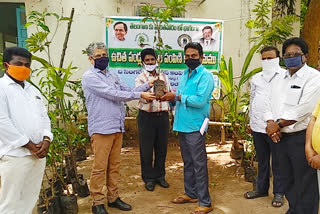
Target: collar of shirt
point(299, 73)
point(268, 78)
point(196, 70)
point(9, 81)
point(148, 74)
point(97, 71)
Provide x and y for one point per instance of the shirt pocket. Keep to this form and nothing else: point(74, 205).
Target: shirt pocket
point(38, 104)
point(293, 96)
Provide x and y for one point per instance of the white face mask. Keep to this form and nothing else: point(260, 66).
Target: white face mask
point(270, 64)
point(150, 68)
point(269, 67)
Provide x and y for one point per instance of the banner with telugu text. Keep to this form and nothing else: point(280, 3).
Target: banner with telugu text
point(125, 42)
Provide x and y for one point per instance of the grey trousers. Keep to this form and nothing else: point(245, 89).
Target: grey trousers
point(193, 152)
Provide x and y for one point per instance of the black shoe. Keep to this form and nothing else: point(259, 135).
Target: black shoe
point(150, 186)
point(121, 205)
point(163, 183)
point(99, 209)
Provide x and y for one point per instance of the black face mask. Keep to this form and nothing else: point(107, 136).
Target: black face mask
point(101, 63)
point(192, 63)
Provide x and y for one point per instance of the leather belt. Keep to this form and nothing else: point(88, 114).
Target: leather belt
point(155, 114)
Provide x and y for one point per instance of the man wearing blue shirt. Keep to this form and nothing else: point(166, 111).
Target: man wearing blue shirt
point(192, 102)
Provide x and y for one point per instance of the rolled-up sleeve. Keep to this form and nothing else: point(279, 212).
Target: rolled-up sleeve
point(204, 92)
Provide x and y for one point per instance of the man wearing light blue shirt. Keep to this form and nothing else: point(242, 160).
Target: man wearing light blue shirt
point(192, 102)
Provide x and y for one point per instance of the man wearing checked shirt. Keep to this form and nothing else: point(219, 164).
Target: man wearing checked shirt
point(192, 102)
point(153, 124)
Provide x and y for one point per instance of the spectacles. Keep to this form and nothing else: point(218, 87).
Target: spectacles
point(100, 55)
point(195, 43)
point(291, 55)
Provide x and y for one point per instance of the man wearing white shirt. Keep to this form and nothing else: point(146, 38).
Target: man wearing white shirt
point(293, 98)
point(25, 135)
point(260, 89)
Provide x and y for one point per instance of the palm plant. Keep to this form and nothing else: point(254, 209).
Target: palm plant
point(236, 112)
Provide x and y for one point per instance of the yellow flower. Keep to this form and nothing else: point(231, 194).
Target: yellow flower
point(109, 22)
point(219, 26)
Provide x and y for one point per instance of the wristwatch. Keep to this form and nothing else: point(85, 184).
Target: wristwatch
point(176, 98)
point(278, 122)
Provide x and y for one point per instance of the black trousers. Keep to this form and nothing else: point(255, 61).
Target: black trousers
point(298, 178)
point(153, 140)
point(265, 148)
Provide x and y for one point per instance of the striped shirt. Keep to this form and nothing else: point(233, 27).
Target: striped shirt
point(155, 105)
point(105, 95)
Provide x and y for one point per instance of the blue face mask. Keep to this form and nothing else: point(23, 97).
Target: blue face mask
point(101, 63)
point(293, 61)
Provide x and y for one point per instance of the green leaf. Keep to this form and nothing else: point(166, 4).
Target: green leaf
point(56, 15)
point(145, 19)
point(28, 24)
point(168, 47)
point(65, 19)
point(247, 76)
point(44, 27)
point(230, 74)
point(68, 94)
point(44, 63)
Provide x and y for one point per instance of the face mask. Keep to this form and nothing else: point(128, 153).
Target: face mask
point(293, 62)
point(19, 73)
point(101, 63)
point(150, 68)
point(192, 63)
point(270, 64)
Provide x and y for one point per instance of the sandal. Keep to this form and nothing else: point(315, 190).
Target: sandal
point(202, 210)
point(184, 199)
point(277, 200)
point(254, 194)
